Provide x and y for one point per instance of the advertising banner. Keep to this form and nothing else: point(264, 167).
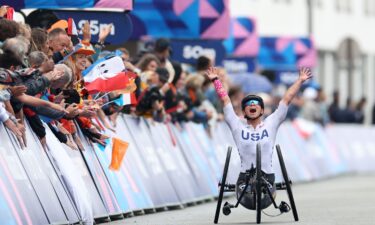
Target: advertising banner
point(76, 179)
point(352, 146)
point(188, 51)
point(239, 65)
point(205, 146)
point(284, 53)
point(221, 141)
point(174, 163)
point(53, 4)
point(122, 26)
point(95, 176)
point(19, 203)
point(199, 165)
point(293, 149)
point(55, 200)
point(164, 166)
point(165, 194)
point(207, 19)
point(243, 40)
point(126, 183)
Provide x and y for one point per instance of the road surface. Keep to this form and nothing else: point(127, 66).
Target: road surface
point(345, 200)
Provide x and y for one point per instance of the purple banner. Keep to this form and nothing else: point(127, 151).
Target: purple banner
point(57, 4)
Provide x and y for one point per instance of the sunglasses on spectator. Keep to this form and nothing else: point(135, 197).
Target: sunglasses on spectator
point(252, 102)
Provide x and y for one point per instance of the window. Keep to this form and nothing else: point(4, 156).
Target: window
point(369, 7)
point(349, 6)
point(318, 3)
point(282, 1)
point(344, 6)
point(366, 4)
point(338, 5)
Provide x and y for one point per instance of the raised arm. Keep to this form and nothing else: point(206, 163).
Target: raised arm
point(304, 75)
point(33, 101)
point(212, 74)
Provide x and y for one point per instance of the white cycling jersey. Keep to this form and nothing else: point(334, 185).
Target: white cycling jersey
point(246, 137)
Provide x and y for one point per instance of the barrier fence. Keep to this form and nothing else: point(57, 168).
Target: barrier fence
point(165, 166)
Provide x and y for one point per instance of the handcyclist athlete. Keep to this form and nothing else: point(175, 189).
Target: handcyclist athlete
point(247, 133)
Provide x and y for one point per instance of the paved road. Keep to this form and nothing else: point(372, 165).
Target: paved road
point(346, 200)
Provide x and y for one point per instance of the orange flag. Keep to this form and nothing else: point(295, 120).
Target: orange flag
point(130, 88)
point(119, 148)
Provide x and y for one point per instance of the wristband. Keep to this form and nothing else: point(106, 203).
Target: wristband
point(221, 92)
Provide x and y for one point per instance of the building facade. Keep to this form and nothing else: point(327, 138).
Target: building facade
point(343, 34)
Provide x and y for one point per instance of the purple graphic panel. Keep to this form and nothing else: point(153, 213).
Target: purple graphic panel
point(214, 19)
point(243, 40)
point(56, 4)
point(207, 19)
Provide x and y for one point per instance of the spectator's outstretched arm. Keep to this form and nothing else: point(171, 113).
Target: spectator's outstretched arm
point(13, 127)
point(11, 91)
point(36, 86)
point(102, 117)
point(5, 118)
point(9, 108)
point(212, 74)
point(304, 75)
point(33, 101)
point(4, 95)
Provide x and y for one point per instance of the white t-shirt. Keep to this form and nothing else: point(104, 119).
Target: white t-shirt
point(246, 137)
point(3, 113)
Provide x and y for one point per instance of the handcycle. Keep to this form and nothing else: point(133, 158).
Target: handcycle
point(256, 190)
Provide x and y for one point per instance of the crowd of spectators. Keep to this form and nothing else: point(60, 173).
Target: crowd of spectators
point(41, 82)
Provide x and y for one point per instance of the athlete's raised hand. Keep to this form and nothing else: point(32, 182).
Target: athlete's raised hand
point(212, 73)
point(305, 74)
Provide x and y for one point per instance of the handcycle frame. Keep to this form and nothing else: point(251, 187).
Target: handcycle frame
point(259, 185)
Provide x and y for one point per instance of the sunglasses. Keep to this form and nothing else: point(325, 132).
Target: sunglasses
point(252, 102)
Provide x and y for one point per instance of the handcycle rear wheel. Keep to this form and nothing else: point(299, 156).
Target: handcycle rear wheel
point(287, 182)
point(258, 183)
point(223, 179)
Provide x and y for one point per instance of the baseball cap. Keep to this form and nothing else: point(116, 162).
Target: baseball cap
point(162, 44)
point(86, 49)
point(63, 24)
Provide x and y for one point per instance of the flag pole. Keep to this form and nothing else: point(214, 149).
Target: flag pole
point(101, 96)
point(108, 103)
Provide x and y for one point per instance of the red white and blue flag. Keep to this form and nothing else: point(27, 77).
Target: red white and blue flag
point(105, 75)
point(126, 99)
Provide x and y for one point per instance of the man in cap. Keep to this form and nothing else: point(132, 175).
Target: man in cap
point(162, 50)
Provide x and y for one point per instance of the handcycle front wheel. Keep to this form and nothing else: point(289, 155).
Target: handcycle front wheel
point(258, 183)
point(223, 180)
point(287, 182)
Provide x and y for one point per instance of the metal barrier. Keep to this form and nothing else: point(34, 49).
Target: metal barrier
point(165, 167)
